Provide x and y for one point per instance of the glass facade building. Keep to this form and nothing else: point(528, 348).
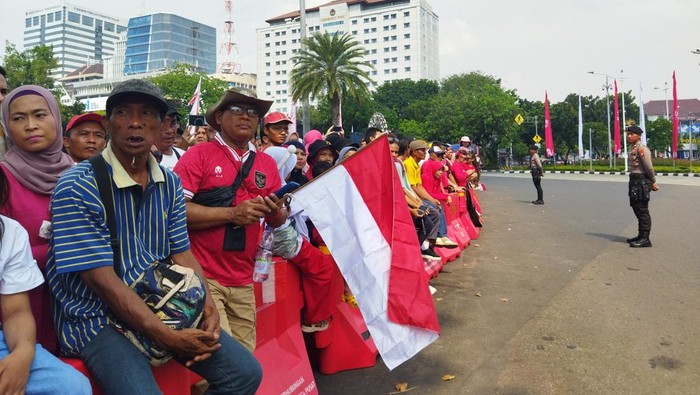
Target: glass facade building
point(157, 41)
point(78, 36)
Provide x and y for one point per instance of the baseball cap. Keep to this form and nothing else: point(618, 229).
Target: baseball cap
point(236, 95)
point(435, 149)
point(87, 117)
point(276, 117)
point(465, 139)
point(136, 87)
point(417, 144)
point(635, 129)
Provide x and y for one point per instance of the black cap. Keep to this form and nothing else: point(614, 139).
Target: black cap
point(635, 129)
point(298, 144)
point(342, 142)
point(316, 147)
point(136, 87)
point(534, 147)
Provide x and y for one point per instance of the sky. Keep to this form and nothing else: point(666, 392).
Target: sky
point(532, 46)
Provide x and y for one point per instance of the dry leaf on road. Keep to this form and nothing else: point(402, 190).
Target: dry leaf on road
point(448, 377)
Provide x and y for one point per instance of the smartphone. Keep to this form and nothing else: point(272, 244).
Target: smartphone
point(288, 188)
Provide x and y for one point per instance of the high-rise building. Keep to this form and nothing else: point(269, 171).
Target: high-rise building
point(400, 39)
point(157, 41)
point(78, 36)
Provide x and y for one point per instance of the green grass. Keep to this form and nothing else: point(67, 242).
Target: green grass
point(660, 166)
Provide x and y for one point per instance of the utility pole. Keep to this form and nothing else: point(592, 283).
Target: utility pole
point(306, 117)
point(624, 119)
point(606, 88)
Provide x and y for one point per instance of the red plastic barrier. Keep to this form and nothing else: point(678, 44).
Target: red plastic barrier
point(467, 223)
point(347, 344)
point(449, 254)
point(455, 229)
point(172, 378)
point(280, 347)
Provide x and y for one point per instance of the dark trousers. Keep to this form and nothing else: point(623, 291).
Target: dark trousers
point(537, 180)
point(639, 193)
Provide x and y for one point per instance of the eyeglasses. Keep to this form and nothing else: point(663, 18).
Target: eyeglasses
point(238, 111)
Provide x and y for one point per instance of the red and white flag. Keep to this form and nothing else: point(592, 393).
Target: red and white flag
point(194, 102)
point(674, 144)
point(360, 210)
point(549, 142)
point(617, 147)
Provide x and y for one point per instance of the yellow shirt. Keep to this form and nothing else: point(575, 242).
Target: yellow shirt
point(412, 171)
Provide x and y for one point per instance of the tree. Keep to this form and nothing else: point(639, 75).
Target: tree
point(30, 67)
point(660, 134)
point(401, 94)
point(330, 67)
point(179, 83)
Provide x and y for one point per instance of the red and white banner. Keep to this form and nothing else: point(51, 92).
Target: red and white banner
point(617, 147)
point(549, 142)
point(359, 209)
point(674, 144)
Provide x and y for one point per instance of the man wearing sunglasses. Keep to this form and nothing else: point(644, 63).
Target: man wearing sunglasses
point(224, 226)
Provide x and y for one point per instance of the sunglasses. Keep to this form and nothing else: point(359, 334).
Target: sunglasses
point(238, 111)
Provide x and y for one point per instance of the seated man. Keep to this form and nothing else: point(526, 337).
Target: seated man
point(89, 295)
point(85, 136)
point(25, 366)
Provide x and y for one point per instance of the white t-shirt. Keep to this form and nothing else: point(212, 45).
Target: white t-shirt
point(18, 269)
point(169, 161)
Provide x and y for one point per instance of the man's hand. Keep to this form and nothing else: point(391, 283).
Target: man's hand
point(193, 343)
point(210, 318)
point(416, 212)
point(250, 211)
point(14, 371)
point(654, 187)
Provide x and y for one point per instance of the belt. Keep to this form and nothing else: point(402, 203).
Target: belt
point(638, 176)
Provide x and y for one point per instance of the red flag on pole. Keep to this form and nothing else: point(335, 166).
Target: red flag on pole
point(674, 146)
point(549, 142)
point(616, 139)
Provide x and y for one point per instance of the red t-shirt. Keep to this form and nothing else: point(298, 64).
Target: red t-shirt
point(214, 164)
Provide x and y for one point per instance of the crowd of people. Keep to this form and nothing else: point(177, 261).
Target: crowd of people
point(197, 197)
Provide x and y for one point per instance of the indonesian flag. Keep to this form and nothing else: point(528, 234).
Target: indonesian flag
point(360, 210)
point(194, 102)
point(674, 146)
point(616, 139)
point(549, 143)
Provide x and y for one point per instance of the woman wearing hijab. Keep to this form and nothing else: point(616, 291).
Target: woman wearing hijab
point(311, 136)
point(33, 165)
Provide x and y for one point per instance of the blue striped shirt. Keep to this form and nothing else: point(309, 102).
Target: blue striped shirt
point(151, 225)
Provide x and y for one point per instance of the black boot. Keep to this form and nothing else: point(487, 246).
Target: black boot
point(643, 241)
point(632, 240)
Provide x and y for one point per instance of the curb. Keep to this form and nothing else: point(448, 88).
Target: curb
point(621, 173)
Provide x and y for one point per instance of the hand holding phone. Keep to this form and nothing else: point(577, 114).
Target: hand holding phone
point(287, 188)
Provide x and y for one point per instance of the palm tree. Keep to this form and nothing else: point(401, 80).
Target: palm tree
point(331, 65)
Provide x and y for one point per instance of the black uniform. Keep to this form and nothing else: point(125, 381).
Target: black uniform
point(537, 171)
point(641, 179)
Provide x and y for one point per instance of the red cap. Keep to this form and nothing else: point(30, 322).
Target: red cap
point(87, 117)
point(275, 117)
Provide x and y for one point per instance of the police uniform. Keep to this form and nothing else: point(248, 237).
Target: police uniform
point(642, 178)
point(537, 172)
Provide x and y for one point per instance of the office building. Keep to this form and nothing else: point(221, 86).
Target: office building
point(155, 42)
point(79, 36)
point(400, 38)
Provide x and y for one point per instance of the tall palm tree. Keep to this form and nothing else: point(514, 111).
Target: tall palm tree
point(330, 66)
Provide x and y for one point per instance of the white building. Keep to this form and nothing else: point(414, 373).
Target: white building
point(78, 36)
point(400, 38)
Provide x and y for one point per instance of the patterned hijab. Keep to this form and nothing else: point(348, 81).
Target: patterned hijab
point(37, 171)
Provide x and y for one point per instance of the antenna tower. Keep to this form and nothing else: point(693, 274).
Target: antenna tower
point(228, 65)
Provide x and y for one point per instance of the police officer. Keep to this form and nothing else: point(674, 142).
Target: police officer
point(537, 173)
point(642, 182)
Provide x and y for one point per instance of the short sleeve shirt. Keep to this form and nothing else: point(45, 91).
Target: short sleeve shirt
point(18, 270)
point(412, 171)
point(151, 225)
point(211, 165)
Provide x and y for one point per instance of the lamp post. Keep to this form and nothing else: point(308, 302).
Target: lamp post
point(306, 116)
point(590, 150)
point(665, 89)
point(606, 88)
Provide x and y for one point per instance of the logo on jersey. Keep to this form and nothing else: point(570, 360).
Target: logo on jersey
point(260, 179)
point(217, 172)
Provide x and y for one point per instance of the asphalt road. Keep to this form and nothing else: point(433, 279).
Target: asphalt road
point(551, 300)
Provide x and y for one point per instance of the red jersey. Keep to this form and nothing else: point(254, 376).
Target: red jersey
point(214, 164)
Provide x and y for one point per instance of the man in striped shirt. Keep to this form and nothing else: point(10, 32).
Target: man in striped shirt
point(151, 225)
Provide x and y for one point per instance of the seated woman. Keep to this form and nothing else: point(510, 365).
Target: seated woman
point(25, 367)
point(32, 167)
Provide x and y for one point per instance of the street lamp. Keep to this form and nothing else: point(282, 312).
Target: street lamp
point(606, 88)
point(665, 89)
point(624, 119)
